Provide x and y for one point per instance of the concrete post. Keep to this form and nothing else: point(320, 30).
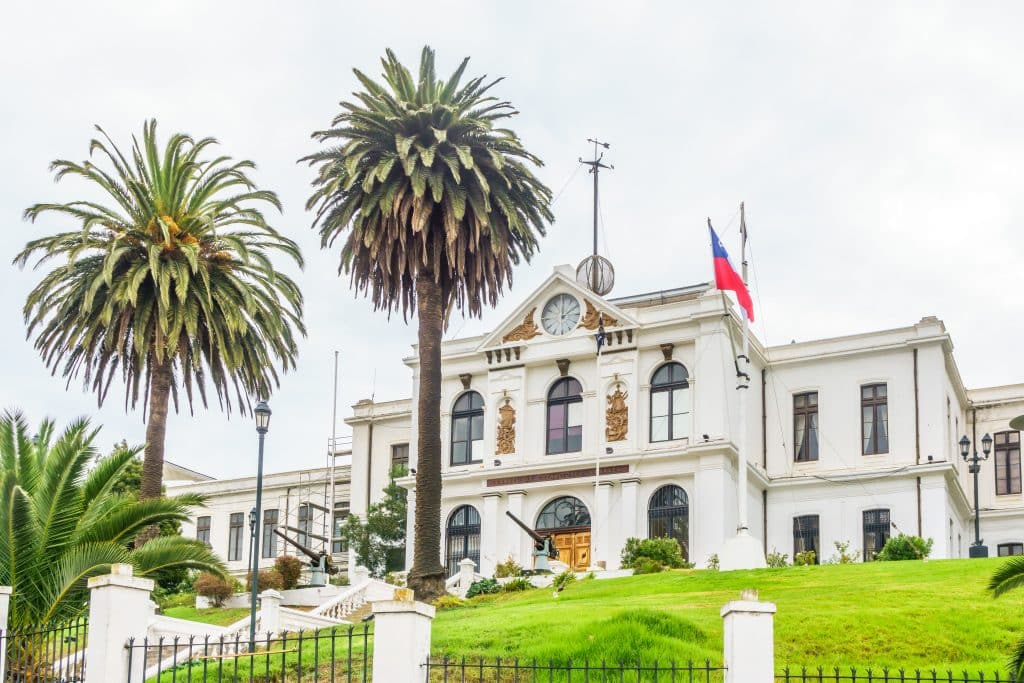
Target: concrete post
point(405, 626)
point(118, 610)
point(467, 568)
point(5, 610)
point(748, 631)
point(270, 612)
point(360, 575)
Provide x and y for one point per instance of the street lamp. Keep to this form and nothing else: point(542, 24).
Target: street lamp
point(977, 549)
point(262, 411)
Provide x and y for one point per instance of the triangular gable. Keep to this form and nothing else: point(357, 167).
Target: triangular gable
point(523, 324)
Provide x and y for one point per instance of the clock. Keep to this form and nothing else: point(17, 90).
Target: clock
point(561, 314)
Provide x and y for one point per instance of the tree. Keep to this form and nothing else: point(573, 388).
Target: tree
point(437, 204)
point(1008, 576)
point(60, 522)
point(170, 282)
point(384, 529)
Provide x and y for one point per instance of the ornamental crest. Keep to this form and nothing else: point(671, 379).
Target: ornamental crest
point(506, 429)
point(617, 416)
point(525, 330)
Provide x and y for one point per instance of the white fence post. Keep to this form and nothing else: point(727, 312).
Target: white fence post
point(270, 611)
point(467, 568)
point(748, 631)
point(5, 610)
point(405, 626)
point(118, 610)
point(360, 575)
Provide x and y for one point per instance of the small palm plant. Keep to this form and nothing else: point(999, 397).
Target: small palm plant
point(60, 524)
point(1010, 575)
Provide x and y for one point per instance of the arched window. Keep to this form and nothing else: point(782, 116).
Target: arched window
point(668, 515)
point(563, 513)
point(565, 417)
point(468, 429)
point(462, 539)
point(670, 403)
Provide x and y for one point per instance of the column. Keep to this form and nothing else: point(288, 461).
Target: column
point(749, 640)
point(710, 506)
point(600, 556)
point(489, 517)
point(514, 534)
point(405, 626)
point(630, 510)
point(118, 611)
point(270, 612)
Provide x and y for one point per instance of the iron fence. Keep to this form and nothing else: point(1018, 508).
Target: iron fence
point(514, 670)
point(334, 655)
point(55, 654)
point(886, 675)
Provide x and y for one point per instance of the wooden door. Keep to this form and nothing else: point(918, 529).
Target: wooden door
point(574, 549)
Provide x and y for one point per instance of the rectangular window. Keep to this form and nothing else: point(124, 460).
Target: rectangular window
point(874, 409)
point(338, 545)
point(805, 426)
point(305, 524)
point(269, 537)
point(805, 536)
point(876, 532)
point(203, 530)
point(235, 536)
point(400, 454)
point(1007, 549)
point(1007, 452)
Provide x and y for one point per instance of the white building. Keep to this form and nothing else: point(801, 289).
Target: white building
point(849, 439)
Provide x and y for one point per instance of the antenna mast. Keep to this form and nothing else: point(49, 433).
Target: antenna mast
point(595, 272)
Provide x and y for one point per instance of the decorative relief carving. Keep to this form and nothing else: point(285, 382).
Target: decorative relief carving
point(506, 429)
point(525, 330)
point(590, 320)
point(617, 416)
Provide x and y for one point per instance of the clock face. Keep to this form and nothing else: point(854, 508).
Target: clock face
point(561, 314)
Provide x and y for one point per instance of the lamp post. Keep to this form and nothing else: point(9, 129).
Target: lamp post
point(262, 411)
point(976, 549)
point(252, 537)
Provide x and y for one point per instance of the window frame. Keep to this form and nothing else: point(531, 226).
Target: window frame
point(800, 533)
point(1011, 546)
point(668, 514)
point(551, 507)
point(563, 402)
point(303, 522)
point(203, 530)
point(876, 527)
point(466, 532)
point(236, 536)
point(806, 411)
point(1005, 450)
point(268, 544)
point(874, 402)
point(400, 459)
point(342, 510)
point(668, 387)
point(468, 414)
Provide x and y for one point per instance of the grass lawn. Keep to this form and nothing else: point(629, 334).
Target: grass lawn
point(214, 615)
point(933, 614)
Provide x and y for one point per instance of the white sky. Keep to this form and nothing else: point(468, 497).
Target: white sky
point(877, 148)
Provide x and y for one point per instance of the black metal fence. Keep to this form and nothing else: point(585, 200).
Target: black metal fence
point(886, 675)
point(55, 654)
point(335, 655)
point(510, 670)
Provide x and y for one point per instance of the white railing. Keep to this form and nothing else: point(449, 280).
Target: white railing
point(297, 620)
point(355, 599)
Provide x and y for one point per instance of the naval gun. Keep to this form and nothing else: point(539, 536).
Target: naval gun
point(320, 562)
point(542, 547)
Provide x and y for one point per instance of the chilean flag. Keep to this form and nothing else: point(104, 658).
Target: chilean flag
point(726, 276)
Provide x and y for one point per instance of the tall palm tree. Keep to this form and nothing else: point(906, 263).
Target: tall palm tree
point(170, 282)
point(60, 523)
point(436, 204)
point(1008, 576)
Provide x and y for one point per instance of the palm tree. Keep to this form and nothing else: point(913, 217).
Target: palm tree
point(1010, 575)
point(170, 282)
point(60, 523)
point(436, 204)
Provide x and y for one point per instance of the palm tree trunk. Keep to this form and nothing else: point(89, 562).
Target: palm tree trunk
point(426, 577)
point(156, 431)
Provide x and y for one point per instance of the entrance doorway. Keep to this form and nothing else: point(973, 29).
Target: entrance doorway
point(567, 520)
point(574, 549)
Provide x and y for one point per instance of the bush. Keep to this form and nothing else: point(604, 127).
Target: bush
point(905, 547)
point(664, 550)
point(713, 562)
point(776, 559)
point(290, 569)
point(214, 588)
point(268, 579)
point(339, 580)
point(395, 579)
point(843, 554)
point(448, 601)
point(517, 584)
point(563, 580)
point(803, 559)
point(508, 568)
point(647, 565)
point(166, 602)
point(483, 587)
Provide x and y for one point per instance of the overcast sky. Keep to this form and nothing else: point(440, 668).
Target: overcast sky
point(878, 149)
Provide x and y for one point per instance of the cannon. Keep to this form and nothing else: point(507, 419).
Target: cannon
point(542, 547)
point(319, 562)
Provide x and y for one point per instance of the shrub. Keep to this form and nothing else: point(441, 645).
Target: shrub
point(395, 579)
point(905, 547)
point(713, 562)
point(563, 580)
point(520, 583)
point(290, 569)
point(483, 587)
point(448, 601)
point(776, 559)
point(268, 579)
point(214, 588)
point(647, 565)
point(803, 559)
point(508, 568)
point(665, 550)
point(339, 580)
point(843, 554)
point(166, 602)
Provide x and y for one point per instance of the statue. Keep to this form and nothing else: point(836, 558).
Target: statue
point(617, 416)
point(506, 428)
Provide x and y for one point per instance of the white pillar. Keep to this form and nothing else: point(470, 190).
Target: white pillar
point(600, 557)
point(270, 612)
point(513, 533)
point(467, 568)
point(489, 534)
point(118, 610)
point(360, 575)
point(410, 522)
point(5, 610)
point(630, 511)
point(748, 632)
point(405, 626)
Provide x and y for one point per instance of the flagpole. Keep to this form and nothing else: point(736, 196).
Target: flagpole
point(742, 384)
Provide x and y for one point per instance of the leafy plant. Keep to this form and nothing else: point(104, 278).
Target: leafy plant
point(508, 568)
point(384, 529)
point(804, 558)
point(448, 601)
point(483, 587)
point(562, 580)
point(395, 579)
point(215, 588)
point(903, 547)
point(267, 579)
point(520, 583)
point(647, 565)
point(289, 568)
point(775, 559)
point(664, 550)
point(843, 554)
point(712, 562)
point(1008, 576)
